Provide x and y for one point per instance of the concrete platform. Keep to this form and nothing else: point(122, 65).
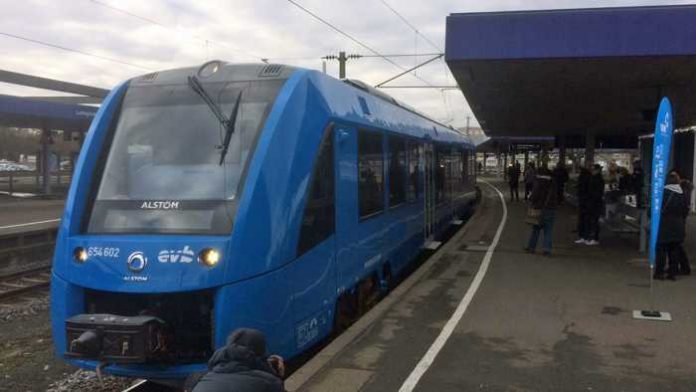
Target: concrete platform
point(562, 323)
point(21, 215)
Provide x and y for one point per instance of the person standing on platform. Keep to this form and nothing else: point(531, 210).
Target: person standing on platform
point(529, 178)
point(682, 260)
point(672, 228)
point(561, 177)
point(637, 182)
point(595, 204)
point(583, 194)
point(513, 173)
point(543, 198)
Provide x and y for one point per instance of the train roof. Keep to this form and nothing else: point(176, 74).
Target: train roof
point(386, 97)
point(220, 71)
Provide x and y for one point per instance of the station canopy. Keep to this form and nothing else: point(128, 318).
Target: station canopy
point(567, 72)
point(30, 113)
point(46, 112)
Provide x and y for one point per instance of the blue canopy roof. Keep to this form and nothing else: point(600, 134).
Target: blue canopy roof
point(575, 33)
point(576, 70)
point(30, 113)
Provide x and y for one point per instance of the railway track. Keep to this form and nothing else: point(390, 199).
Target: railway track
point(20, 283)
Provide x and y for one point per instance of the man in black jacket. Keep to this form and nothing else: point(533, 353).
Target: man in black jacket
point(672, 228)
point(243, 366)
point(513, 173)
point(560, 174)
point(545, 198)
point(595, 204)
point(583, 199)
point(682, 260)
point(637, 181)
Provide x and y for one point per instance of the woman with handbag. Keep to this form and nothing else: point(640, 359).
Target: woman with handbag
point(542, 211)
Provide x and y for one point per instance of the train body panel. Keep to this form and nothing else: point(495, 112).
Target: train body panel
point(295, 245)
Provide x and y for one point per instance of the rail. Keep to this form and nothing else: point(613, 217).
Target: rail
point(26, 249)
point(18, 283)
point(149, 386)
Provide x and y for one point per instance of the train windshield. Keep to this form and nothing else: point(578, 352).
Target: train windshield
point(163, 172)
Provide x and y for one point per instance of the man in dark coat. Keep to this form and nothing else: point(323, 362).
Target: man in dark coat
point(682, 260)
point(544, 198)
point(595, 204)
point(243, 366)
point(514, 181)
point(672, 228)
point(583, 192)
point(637, 182)
point(529, 179)
point(560, 174)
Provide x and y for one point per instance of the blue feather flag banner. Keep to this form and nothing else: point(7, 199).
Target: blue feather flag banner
point(662, 144)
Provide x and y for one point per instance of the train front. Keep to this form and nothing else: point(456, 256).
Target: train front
point(146, 238)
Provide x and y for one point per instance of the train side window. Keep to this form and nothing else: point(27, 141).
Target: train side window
point(370, 173)
point(397, 170)
point(318, 221)
point(414, 150)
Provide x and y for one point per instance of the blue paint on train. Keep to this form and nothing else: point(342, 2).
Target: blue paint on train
point(261, 281)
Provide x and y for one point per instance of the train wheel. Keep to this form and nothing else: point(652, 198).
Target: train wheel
point(368, 294)
point(387, 282)
point(346, 311)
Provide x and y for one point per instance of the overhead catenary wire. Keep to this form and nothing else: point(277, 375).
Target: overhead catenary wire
point(409, 70)
point(366, 56)
point(204, 40)
point(418, 33)
point(350, 37)
point(409, 24)
point(68, 49)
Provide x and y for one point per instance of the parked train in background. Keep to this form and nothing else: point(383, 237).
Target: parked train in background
point(249, 195)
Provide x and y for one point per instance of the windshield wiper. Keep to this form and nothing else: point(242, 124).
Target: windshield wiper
point(230, 128)
point(228, 124)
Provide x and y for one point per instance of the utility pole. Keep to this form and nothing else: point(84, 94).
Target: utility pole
point(342, 65)
point(342, 59)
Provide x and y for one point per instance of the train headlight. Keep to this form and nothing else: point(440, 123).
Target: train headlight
point(209, 257)
point(80, 254)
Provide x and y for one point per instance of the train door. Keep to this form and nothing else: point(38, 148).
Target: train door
point(429, 199)
point(345, 139)
point(360, 200)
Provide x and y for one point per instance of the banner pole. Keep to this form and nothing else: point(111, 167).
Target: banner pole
point(662, 147)
point(652, 292)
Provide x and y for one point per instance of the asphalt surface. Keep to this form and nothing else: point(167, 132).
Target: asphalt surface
point(536, 323)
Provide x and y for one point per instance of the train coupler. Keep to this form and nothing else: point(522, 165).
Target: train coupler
point(116, 339)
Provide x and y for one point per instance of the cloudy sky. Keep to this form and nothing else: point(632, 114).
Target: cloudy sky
point(123, 38)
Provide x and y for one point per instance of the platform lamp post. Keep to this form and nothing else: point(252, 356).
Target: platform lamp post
point(662, 147)
point(46, 141)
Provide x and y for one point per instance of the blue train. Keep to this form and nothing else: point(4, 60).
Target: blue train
point(256, 195)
